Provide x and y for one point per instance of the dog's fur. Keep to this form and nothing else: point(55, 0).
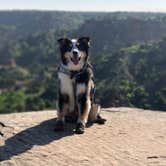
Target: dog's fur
point(75, 82)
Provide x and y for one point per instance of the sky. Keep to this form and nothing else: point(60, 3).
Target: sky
point(86, 5)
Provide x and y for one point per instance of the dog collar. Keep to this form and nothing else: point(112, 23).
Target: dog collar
point(72, 74)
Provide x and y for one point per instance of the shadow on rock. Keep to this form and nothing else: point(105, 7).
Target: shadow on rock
point(41, 134)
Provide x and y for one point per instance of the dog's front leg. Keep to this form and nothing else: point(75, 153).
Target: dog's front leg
point(63, 106)
point(84, 106)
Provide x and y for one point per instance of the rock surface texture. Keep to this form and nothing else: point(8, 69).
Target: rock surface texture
point(130, 137)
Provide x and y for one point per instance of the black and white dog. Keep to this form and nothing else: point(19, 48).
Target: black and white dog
point(76, 85)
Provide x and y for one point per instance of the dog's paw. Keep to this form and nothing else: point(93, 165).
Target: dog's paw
point(59, 126)
point(100, 120)
point(80, 128)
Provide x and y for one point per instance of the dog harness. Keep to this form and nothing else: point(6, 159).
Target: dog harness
point(73, 74)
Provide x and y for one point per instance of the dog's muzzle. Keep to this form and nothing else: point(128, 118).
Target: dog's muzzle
point(75, 58)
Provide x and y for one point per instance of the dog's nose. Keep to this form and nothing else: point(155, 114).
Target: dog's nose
point(75, 54)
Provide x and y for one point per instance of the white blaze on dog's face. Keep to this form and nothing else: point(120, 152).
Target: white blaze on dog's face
point(74, 53)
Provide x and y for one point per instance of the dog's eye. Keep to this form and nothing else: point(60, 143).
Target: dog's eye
point(77, 44)
point(70, 46)
point(80, 46)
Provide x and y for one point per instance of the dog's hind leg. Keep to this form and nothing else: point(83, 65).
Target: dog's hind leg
point(94, 115)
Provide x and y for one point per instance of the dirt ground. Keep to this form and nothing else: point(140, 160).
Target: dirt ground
point(130, 137)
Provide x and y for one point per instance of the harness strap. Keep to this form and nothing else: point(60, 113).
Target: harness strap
point(93, 91)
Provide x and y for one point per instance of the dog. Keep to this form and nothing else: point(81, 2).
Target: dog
point(76, 85)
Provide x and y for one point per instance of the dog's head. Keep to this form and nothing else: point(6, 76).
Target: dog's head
point(74, 53)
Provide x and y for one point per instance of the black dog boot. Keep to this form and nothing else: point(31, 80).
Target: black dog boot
point(80, 128)
point(59, 126)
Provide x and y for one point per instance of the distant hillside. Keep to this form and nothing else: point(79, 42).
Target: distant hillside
point(46, 20)
point(16, 24)
point(110, 34)
point(133, 76)
point(21, 24)
point(29, 22)
point(127, 51)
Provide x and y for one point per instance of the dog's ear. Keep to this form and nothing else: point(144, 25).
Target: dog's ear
point(63, 41)
point(85, 40)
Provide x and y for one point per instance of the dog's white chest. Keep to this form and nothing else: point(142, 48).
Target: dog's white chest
point(66, 87)
point(66, 83)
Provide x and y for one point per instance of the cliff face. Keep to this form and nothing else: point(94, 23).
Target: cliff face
point(129, 137)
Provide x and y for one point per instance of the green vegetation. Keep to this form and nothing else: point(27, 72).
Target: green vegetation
point(128, 52)
point(134, 76)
